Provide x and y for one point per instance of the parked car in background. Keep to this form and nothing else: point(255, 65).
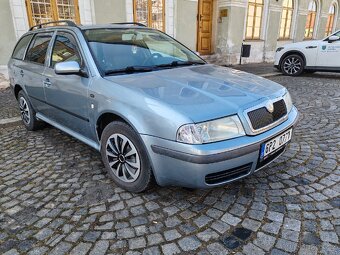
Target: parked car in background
point(309, 56)
point(153, 108)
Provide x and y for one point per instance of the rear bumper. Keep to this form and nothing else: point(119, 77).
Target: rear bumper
point(198, 166)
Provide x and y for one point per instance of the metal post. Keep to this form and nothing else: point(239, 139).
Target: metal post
point(241, 54)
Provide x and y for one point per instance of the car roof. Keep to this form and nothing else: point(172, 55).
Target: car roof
point(126, 26)
point(71, 25)
point(87, 27)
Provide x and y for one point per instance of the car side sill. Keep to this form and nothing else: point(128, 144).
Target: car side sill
point(69, 131)
point(323, 68)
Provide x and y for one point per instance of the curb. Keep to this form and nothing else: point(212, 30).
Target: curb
point(266, 75)
point(10, 122)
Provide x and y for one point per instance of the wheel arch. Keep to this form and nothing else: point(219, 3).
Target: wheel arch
point(293, 52)
point(17, 88)
point(106, 118)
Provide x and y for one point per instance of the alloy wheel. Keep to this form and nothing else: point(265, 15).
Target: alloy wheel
point(292, 65)
point(123, 158)
point(24, 110)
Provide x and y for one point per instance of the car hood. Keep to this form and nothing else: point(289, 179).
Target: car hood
point(202, 92)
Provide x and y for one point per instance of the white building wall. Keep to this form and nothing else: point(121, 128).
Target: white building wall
point(129, 10)
point(20, 19)
point(19, 15)
point(86, 12)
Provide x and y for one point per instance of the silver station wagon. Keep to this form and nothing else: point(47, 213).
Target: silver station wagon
point(153, 108)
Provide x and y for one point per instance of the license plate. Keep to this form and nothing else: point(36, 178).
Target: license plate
point(276, 143)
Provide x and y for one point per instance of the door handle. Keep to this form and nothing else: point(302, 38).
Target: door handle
point(22, 73)
point(47, 83)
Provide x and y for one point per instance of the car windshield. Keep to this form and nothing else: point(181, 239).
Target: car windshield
point(118, 51)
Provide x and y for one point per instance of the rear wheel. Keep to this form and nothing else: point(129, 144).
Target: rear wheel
point(125, 157)
point(292, 65)
point(27, 113)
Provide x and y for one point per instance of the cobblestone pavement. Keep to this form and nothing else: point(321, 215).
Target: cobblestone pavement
point(56, 198)
point(258, 68)
point(8, 106)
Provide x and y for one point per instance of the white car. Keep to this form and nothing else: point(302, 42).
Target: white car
point(309, 56)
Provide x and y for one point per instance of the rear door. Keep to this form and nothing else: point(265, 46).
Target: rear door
point(15, 65)
point(33, 67)
point(329, 54)
point(67, 95)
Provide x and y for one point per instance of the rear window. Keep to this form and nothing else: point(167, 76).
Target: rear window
point(38, 48)
point(21, 47)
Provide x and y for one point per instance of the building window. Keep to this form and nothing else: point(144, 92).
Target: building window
point(286, 20)
point(41, 11)
point(254, 19)
point(150, 13)
point(311, 18)
point(330, 20)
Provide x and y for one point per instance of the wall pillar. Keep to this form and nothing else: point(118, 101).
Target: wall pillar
point(186, 22)
point(108, 11)
point(230, 31)
point(272, 30)
point(7, 29)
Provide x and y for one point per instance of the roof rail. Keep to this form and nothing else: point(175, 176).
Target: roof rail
point(130, 23)
point(68, 23)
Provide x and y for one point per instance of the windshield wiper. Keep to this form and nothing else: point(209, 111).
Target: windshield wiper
point(181, 63)
point(130, 69)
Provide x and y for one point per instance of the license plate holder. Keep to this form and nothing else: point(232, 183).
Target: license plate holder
point(273, 145)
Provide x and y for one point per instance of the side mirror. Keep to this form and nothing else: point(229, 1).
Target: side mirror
point(67, 67)
point(333, 38)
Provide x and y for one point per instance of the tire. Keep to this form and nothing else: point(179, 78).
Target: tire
point(28, 113)
point(129, 167)
point(292, 65)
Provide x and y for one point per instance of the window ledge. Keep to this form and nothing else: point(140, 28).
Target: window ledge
point(284, 39)
point(253, 40)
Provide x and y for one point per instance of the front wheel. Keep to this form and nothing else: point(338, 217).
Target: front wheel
point(292, 65)
point(125, 157)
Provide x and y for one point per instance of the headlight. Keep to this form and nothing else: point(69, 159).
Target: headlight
point(211, 131)
point(279, 49)
point(288, 100)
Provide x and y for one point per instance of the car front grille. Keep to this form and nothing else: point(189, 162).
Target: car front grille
point(228, 175)
point(261, 117)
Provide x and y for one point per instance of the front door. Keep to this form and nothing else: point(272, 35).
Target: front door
point(204, 35)
point(329, 54)
point(66, 95)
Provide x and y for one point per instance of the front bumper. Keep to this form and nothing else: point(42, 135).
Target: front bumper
point(278, 56)
point(195, 166)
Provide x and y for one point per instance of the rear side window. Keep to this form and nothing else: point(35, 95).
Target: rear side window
point(20, 49)
point(38, 48)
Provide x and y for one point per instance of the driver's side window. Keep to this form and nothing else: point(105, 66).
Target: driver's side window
point(65, 49)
